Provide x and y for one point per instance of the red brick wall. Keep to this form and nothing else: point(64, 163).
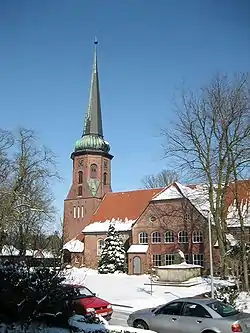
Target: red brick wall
point(173, 215)
point(73, 225)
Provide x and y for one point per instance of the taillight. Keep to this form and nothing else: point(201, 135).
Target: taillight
point(236, 328)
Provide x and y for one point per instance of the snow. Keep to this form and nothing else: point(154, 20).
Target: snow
point(78, 322)
point(9, 251)
point(233, 219)
point(74, 246)
point(138, 248)
point(183, 265)
point(170, 192)
point(120, 225)
point(232, 241)
point(136, 289)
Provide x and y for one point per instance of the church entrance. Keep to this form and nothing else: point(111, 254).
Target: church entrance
point(136, 265)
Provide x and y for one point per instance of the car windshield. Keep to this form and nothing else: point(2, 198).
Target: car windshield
point(224, 310)
point(84, 292)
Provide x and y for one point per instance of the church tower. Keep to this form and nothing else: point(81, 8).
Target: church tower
point(91, 178)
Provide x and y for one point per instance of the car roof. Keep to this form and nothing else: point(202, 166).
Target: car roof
point(201, 301)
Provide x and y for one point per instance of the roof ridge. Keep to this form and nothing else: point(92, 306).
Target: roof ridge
point(139, 190)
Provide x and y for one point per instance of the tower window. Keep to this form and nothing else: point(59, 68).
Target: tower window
point(105, 178)
point(105, 164)
point(93, 171)
point(80, 177)
point(79, 190)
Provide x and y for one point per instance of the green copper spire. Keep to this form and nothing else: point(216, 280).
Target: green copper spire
point(92, 138)
point(93, 120)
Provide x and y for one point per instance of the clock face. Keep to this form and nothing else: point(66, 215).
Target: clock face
point(80, 163)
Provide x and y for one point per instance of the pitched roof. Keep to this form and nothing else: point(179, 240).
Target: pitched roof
point(123, 206)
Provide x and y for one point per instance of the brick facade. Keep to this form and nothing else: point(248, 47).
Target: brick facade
point(80, 203)
point(173, 216)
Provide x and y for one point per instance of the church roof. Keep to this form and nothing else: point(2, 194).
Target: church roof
point(124, 206)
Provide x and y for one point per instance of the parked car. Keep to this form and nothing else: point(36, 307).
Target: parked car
point(192, 315)
point(86, 302)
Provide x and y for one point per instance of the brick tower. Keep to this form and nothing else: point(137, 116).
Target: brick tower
point(91, 166)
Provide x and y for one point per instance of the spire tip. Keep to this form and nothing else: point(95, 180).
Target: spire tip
point(95, 41)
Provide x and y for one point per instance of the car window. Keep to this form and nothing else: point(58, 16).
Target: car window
point(224, 310)
point(195, 310)
point(83, 291)
point(173, 308)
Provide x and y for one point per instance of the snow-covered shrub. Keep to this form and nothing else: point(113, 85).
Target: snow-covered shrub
point(27, 293)
point(113, 256)
point(225, 293)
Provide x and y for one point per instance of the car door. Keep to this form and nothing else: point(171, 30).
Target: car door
point(194, 318)
point(165, 319)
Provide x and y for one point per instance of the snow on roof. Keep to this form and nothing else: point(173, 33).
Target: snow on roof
point(9, 250)
point(120, 225)
point(197, 195)
point(74, 246)
point(233, 219)
point(138, 248)
point(170, 192)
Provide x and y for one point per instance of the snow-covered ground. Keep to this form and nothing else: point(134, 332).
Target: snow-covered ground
point(132, 293)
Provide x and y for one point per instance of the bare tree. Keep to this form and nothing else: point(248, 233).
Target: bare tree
point(212, 125)
point(162, 179)
point(30, 201)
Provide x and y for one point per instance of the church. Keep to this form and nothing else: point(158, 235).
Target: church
point(153, 223)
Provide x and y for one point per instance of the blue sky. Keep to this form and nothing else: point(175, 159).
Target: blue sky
point(146, 50)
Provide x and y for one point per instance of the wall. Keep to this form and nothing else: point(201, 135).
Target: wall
point(75, 219)
point(90, 247)
point(173, 215)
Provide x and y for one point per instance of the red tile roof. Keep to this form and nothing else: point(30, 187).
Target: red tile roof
point(122, 205)
point(243, 190)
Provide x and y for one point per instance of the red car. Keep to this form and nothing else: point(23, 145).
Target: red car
point(86, 302)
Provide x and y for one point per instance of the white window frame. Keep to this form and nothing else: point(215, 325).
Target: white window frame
point(99, 247)
point(78, 212)
point(74, 212)
point(169, 259)
point(157, 258)
point(198, 259)
point(143, 237)
point(197, 237)
point(158, 237)
point(82, 211)
point(181, 236)
point(172, 236)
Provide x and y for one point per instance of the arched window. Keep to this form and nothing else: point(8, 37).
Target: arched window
point(80, 177)
point(156, 237)
point(79, 190)
point(183, 237)
point(100, 245)
point(105, 180)
point(93, 171)
point(143, 238)
point(169, 237)
point(197, 237)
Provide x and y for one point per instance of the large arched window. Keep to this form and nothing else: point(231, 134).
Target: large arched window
point(143, 238)
point(105, 178)
point(93, 171)
point(100, 246)
point(156, 237)
point(197, 236)
point(79, 190)
point(80, 177)
point(169, 237)
point(183, 237)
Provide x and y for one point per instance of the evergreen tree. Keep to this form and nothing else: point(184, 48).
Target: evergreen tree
point(113, 258)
